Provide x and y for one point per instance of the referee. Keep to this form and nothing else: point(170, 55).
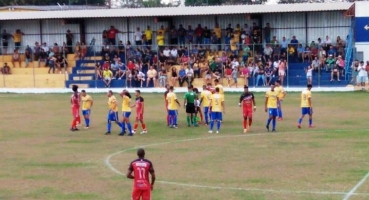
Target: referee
point(189, 103)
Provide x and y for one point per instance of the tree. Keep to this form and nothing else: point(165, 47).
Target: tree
point(203, 2)
point(51, 2)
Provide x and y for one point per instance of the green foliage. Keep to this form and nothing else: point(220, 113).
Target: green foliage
point(152, 3)
point(203, 2)
point(51, 2)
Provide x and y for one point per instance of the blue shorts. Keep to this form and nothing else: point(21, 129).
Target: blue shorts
point(86, 112)
point(305, 111)
point(273, 112)
point(172, 112)
point(216, 116)
point(126, 114)
point(113, 116)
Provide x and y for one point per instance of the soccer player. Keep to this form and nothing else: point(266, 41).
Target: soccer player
point(217, 106)
point(126, 112)
point(113, 111)
point(281, 95)
point(205, 102)
point(189, 104)
point(271, 103)
point(141, 168)
point(75, 103)
point(306, 106)
point(139, 104)
point(247, 100)
point(86, 107)
point(221, 92)
point(197, 106)
point(166, 101)
point(173, 104)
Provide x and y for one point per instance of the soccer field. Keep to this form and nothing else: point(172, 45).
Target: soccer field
point(42, 159)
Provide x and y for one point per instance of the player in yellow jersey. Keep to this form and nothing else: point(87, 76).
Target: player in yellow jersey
point(271, 104)
point(173, 104)
point(113, 111)
point(306, 106)
point(126, 112)
point(221, 92)
point(86, 107)
point(281, 96)
point(205, 97)
point(217, 107)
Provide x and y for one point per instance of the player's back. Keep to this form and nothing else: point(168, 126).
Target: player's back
point(216, 102)
point(305, 95)
point(75, 100)
point(280, 91)
point(126, 104)
point(141, 169)
point(205, 96)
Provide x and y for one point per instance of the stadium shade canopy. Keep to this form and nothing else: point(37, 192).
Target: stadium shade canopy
point(177, 11)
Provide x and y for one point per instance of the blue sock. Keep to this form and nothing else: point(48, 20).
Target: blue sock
point(300, 120)
point(218, 125)
point(310, 122)
point(129, 127)
point(268, 121)
point(175, 120)
point(211, 125)
point(273, 123)
point(109, 126)
point(206, 117)
point(87, 121)
point(123, 127)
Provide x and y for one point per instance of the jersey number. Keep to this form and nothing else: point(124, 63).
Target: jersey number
point(304, 97)
point(216, 102)
point(141, 173)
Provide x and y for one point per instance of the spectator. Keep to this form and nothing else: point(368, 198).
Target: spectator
point(284, 45)
point(107, 76)
point(291, 54)
point(181, 35)
point(228, 74)
point(5, 40)
point(190, 34)
point(316, 64)
point(77, 51)
point(114, 69)
point(64, 49)
point(309, 74)
point(218, 33)
point(182, 75)
point(99, 71)
point(306, 56)
point(42, 57)
point(62, 63)
point(138, 36)
point(256, 40)
point(274, 41)
point(327, 43)
point(174, 53)
point(46, 48)
point(69, 38)
point(140, 77)
point(233, 44)
point(235, 63)
point(362, 75)
point(56, 49)
point(174, 76)
point(341, 65)
point(206, 35)
point(235, 76)
point(111, 34)
point(129, 75)
point(5, 69)
point(355, 72)
point(37, 50)
point(52, 63)
point(28, 56)
point(208, 76)
point(331, 51)
point(268, 51)
point(267, 33)
point(198, 33)
point(83, 50)
point(246, 53)
point(189, 75)
point(335, 72)
point(196, 69)
point(260, 76)
point(173, 36)
point(151, 76)
point(162, 77)
point(276, 52)
point(16, 58)
point(214, 41)
point(18, 38)
point(329, 63)
point(282, 66)
point(245, 74)
point(148, 34)
point(121, 70)
point(300, 52)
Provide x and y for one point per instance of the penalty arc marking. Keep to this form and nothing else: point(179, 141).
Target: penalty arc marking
point(112, 168)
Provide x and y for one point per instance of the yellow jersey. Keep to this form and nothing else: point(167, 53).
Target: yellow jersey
point(171, 99)
point(221, 91)
point(86, 102)
point(160, 40)
point(216, 102)
point(233, 43)
point(272, 99)
point(17, 37)
point(280, 91)
point(205, 96)
point(305, 96)
point(112, 103)
point(148, 34)
point(218, 32)
point(107, 74)
point(126, 107)
point(236, 36)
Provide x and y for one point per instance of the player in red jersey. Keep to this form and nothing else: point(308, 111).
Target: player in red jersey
point(247, 101)
point(166, 102)
point(141, 168)
point(139, 104)
point(75, 103)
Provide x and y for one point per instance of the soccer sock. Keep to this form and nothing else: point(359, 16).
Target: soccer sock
point(129, 127)
point(300, 120)
point(74, 123)
point(79, 119)
point(273, 123)
point(188, 120)
point(143, 126)
point(108, 127)
point(211, 125)
point(244, 123)
point(250, 121)
point(175, 120)
point(218, 125)
point(123, 127)
point(86, 121)
point(310, 122)
point(268, 121)
point(135, 126)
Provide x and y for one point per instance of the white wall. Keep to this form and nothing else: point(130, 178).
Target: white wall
point(361, 8)
point(363, 47)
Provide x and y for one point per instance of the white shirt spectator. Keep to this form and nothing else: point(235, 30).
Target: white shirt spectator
point(138, 36)
point(141, 75)
point(45, 48)
point(268, 51)
point(174, 53)
point(189, 72)
point(166, 52)
point(276, 64)
point(362, 71)
point(234, 64)
point(315, 63)
point(327, 41)
point(309, 72)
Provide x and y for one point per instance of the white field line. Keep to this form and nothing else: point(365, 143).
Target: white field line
point(112, 168)
point(352, 191)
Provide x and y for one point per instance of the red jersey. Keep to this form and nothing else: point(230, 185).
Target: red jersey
point(141, 169)
point(75, 100)
point(247, 100)
point(112, 33)
point(139, 105)
point(228, 71)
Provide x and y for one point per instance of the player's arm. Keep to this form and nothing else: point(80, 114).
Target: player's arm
point(92, 102)
point(253, 102)
point(129, 172)
point(185, 100)
point(241, 98)
point(179, 104)
point(284, 93)
point(223, 107)
point(266, 104)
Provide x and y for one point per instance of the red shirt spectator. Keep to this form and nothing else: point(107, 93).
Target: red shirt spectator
point(130, 65)
point(228, 71)
point(111, 35)
point(199, 30)
point(106, 65)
